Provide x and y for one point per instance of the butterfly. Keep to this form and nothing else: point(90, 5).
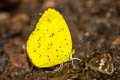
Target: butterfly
point(50, 43)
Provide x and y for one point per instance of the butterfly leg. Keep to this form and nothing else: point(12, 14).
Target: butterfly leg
point(73, 62)
point(61, 66)
point(71, 58)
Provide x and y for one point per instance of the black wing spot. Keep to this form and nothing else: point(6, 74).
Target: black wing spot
point(38, 29)
point(49, 20)
point(47, 30)
point(65, 39)
point(35, 51)
point(39, 46)
point(49, 59)
point(39, 39)
point(43, 33)
point(56, 49)
point(57, 55)
point(50, 44)
point(52, 35)
point(39, 56)
point(65, 55)
point(47, 56)
point(66, 43)
point(48, 48)
point(62, 51)
point(59, 46)
point(61, 29)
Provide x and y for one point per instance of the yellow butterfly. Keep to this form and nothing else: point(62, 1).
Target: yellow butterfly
point(50, 43)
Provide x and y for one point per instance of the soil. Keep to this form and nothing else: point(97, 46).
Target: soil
point(95, 30)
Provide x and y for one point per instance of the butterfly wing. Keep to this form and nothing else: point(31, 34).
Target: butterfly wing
point(50, 43)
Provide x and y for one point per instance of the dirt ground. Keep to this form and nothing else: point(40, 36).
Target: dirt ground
point(95, 30)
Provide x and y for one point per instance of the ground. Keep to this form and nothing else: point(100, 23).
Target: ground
point(95, 30)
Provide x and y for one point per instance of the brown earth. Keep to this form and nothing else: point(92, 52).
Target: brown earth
point(95, 29)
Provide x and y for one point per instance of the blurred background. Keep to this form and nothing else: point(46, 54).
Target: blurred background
point(94, 25)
